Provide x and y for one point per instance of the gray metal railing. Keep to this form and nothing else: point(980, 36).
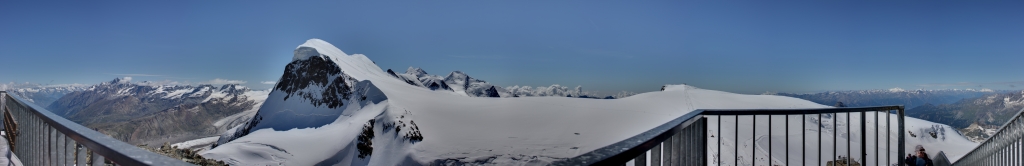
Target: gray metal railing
point(39, 137)
point(941, 159)
point(1006, 147)
point(685, 140)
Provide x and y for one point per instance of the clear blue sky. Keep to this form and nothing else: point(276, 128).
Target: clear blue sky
point(745, 47)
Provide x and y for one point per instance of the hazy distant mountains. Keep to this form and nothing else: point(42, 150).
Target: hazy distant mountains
point(976, 117)
point(975, 113)
point(41, 95)
point(895, 96)
point(154, 114)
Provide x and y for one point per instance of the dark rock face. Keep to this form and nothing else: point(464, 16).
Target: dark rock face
point(317, 71)
point(392, 73)
point(365, 142)
point(492, 92)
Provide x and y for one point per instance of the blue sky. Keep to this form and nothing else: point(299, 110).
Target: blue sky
point(736, 46)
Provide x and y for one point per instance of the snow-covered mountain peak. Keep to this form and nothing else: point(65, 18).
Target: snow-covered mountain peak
point(321, 46)
point(303, 53)
point(415, 71)
point(456, 75)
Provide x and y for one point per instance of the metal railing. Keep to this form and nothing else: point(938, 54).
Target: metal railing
point(1006, 147)
point(39, 137)
point(941, 159)
point(685, 140)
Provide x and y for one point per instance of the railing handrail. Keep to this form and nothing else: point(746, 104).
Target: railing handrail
point(112, 149)
point(625, 150)
point(999, 134)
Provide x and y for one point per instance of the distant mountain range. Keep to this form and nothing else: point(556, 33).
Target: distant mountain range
point(894, 96)
point(977, 117)
point(41, 95)
point(975, 113)
point(140, 113)
point(462, 84)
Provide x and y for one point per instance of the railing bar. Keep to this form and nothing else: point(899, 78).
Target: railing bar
point(863, 138)
point(753, 141)
point(640, 160)
point(667, 152)
point(901, 142)
point(888, 137)
point(69, 151)
point(787, 140)
point(30, 135)
point(849, 139)
point(60, 148)
point(690, 148)
point(656, 155)
point(821, 126)
point(693, 142)
point(704, 138)
point(684, 154)
point(769, 140)
point(676, 143)
point(79, 155)
point(803, 139)
point(835, 136)
point(51, 146)
point(877, 155)
point(97, 159)
point(27, 136)
point(33, 137)
point(720, 140)
point(736, 143)
point(37, 142)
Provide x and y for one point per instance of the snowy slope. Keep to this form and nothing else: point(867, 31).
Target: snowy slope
point(400, 124)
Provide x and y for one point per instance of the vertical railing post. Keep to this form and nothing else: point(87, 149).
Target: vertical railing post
point(704, 142)
point(51, 146)
point(863, 138)
point(677, 152)
point(59, 147)
point(640, 160)
point(656, 156)
point(69, 151)
point(667, 152)
point(97, 160)
point(901, 136)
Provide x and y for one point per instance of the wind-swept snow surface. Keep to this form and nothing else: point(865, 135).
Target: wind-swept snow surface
point(331, 108)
